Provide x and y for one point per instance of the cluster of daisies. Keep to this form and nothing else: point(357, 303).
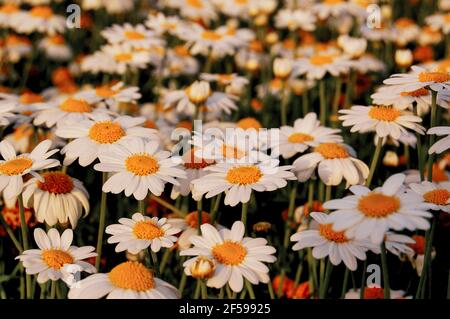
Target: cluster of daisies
point(224, 149)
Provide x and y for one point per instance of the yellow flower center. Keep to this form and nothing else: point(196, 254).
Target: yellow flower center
point(232, 152)
point(249, 123)
point(72, 105)
point(404, 23)
point(181, 50)
point(105, 91)
point(211, 35)
point(416, 93)
point(9, 8)
point(56, 258)
point(384, 113)
point(192, 219)
point(132, 275)
point(195, 3)
point(229, 253)
point(437, 196)
point(134, 35)
point(56, 183)
point(241, 2)
point(57, 39)
point(15, 166)
point(123, 57)
point(333, 2)
point(377, 205)
point(43, 12)
point(438, 77)
point(327, 231)
point(147, 230)
point(142, 164)
point(106, 132)
point(29, 98)
point(244, 175)
point(321, 60)
point(224, 78)
point(331, 151)
point(300, 138)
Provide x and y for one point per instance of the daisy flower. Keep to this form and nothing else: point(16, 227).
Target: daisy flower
point(162, 24)
point(335, 161)
point(56, 48)
point(370, 214)
point(327, 242)
point(397, 244)
point(7, 14)
point(38, 19)
point(16, 47)
point(6, 114)
point(179, 61)
point(202, 10)
point(128, 280)
point(307, 132)
point(141, 232)
point(295, 19)
point(13, 167)
point(55, 256)
point(239, 179)
point(56, 198)
point(225, 79)
point(444, 143)
point(406, 31)
point(383, 120)
point(123, 57)
point(437, 195)
point(23, 105)
point(235, 8)
point(320, 64)
point(136, 36)
point(420, 78)
point(97, 134)
point(236, 257)
point(336, 8)
point(138, 168)
point(112, 94)
point(439, 21)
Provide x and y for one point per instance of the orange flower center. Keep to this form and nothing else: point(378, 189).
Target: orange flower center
point(56, 183)
point(416, 93)
point(56, 258)
point(229, 253)
point(147, 230)
point(106, 132)
point(321, 59)
point(377, 205)
point(244, 175)
point(224, 78)
point(333, 2)
point(195, 3)
point(9, 8)
point(29, 98)
point(404, 23)
point(438, 77)
point(192, 219)
point(232, 152)
point(134, 35)
point(72, 105)
point(327, 231)
point(142, 164)
point(181, 50)
point(57, 39)
point(249, 123)
point(132, 275)
point(437, 196)
point(15, 166)
point(331, 151)
point(300, 138)
point(211, 35)
point(43, 12)
point(123, 57)
point(384, 113)
point(105, 91)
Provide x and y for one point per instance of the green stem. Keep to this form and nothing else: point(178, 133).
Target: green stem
point(305, 102)
point(155, 261)
point(182, 283)
point(432, 136)
point(10, 232)
point(164, 261)
point(141, 206)
point(287, 231)
point(419, 150)
point(325, 284)
point(199, 216)
point(323, 102)
point(244, 214)
point(280, 285)
point(24, 232)
point(53, 290)
point(215, 208)
point(198, 289)
point(284, 105)
point(363, 280)
point(167, 205)
point(448, 285)
point(204, 289)
point(345, 283)
point(250, 289)
point(337, 97)
point(385, 270)
point(270, 289)
point(101, 223)
point(374, 162)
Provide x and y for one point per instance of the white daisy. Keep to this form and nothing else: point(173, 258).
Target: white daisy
point(141, 232)
point(202, 10)
point(112, 94)
point(56, 198)
point(13, 166)
point(437, 195)
point(138, 168)
point(7, 14)
point(370, 214)
point(38, 19)
point(123, 57)
point(56, 48)
point(23, 105)
point(55, 256)
point(444, 143)
point(327, 242)
point(295, 19)
point(439, 21)
point(128, 280)
point(335, 162)
point(136, 36)
point(320, 64)
point(237, 257)
point(161, 24)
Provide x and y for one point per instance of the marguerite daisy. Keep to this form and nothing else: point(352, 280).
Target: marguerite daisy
point(437, 195)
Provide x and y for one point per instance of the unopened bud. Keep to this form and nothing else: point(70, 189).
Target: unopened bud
point(202, 268)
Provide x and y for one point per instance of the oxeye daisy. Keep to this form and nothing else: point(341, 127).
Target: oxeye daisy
point(97, 134)
point(13, 167)
point(319, 65)
point(239, 179)
point(307, 132)
point(112, 94)
point(437, 195)
point(327, 8)
point(56, 198)
point(370, 214)
point(383, 120)
point(39, 18)
point(138, 168)
point(128, 280)
point(327, 242)
point(439, 21)
point(56, 48)
point(123, 57)
point(335, 161)
point(236, 257)
point(202, 10)
point(443, 144)
point(295, 19)
point(161, 24)
point(141, 232)
point(405, 31)
point(225, 79)
point(420, 78)
point(54, 255)
point(136, 36)
point(23, 105)
point(7, 14)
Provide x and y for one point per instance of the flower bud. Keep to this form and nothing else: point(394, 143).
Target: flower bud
point(198, 92)
point(391, 159)
point(202, 268)
point(404, 58)
point(282, 68)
